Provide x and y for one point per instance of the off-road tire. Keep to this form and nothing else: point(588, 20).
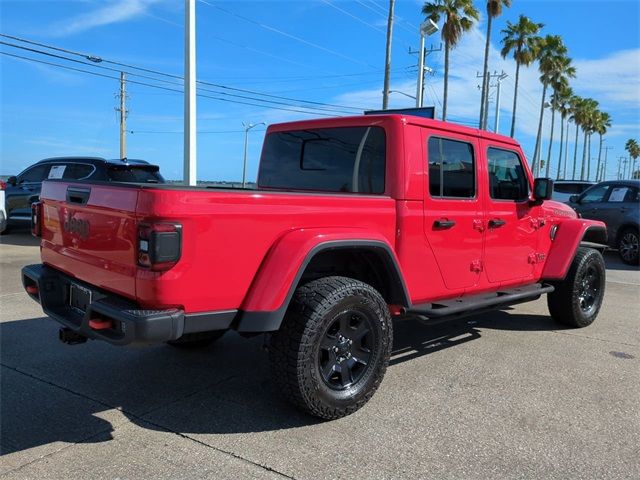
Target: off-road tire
point(628, 246)
point(297, 349)
point(577, 299)
point(197, 340)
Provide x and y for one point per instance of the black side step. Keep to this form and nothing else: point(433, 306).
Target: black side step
point(474, 303)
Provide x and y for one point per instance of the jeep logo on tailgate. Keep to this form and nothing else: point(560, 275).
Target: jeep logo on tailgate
point(78, 226)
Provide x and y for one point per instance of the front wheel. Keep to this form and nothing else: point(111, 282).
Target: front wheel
point(576, 300)
point(333, 346)
point(628, 246)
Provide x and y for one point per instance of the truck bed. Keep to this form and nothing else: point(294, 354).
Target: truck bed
point(226, 235)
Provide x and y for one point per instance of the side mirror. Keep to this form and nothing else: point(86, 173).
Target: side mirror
point(12, 180)
point(574, 198)
point(542, 189)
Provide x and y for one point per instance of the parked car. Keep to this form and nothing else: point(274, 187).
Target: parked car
point(24, 189)
point(3, 212)
point(617, 204)
point(355, 222)
point(563, 189)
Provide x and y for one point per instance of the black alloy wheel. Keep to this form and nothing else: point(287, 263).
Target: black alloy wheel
point(346, 349)
point(628, 247)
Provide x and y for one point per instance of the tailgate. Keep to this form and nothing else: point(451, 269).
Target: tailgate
point(89, 232)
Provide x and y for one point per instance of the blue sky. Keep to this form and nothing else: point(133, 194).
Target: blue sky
point(331, 52)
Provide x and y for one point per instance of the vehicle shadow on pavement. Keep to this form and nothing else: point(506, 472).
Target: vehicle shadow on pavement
point(52, 392)
point(20, 237)
point(613, 262)
point(413, 339)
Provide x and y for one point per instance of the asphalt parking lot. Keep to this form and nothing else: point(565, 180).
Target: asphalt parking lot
point(503, 395)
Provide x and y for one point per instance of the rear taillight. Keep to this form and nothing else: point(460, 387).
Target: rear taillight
point(159, 245)
point(36, 219)
point(3, 185)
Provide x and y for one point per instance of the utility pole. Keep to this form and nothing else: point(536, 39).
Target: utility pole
point(604, 169)
point(422, 67)
point(387, 58)
point(624, 168)
point(485, 101)
point(497, 118)
point(619, 162)
point(190, 146)
point(122, 110)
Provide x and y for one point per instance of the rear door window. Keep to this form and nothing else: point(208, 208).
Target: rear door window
point(451, 168)
point(345, 159)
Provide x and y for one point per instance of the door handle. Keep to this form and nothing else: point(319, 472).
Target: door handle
point(496, 223)
point(444, 223)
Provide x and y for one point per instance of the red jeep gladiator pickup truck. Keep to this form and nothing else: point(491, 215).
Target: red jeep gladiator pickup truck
point(355, 222)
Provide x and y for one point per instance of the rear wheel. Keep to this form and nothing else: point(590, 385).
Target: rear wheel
point(576, 300)
point(197, 340)
point(628, 246)
point(333, 346)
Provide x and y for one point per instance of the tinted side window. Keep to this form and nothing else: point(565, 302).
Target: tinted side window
point(571, 188)
point(595, 194)
point(35, 174)
point(507, 179)
point(451, 168)
point(78, 171)
point(347, 159)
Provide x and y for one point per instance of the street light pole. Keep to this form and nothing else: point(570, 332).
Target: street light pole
point(190, 152)
point(428, 27)
point(247, 127)
point(402, 93)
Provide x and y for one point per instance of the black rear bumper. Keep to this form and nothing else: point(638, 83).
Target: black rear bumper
point(129, 322)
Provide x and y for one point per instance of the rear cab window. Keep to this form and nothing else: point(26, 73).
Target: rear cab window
point(344, 159)
point(134, 174)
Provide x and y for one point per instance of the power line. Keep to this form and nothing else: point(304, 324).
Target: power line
point(384, 15)
point(199, 131)
point(168, 88)
point(202, 82)
point(285, 34)
point(355, 17)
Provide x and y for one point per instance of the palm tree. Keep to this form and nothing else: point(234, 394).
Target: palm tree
point(460, 16)
point(588, 111)
point(602, 124)
point(561, 98)
point(575, 105)
point(523, 41)
point(552, 52)
point(634, 152)
point(494, 9)
point(559, 80)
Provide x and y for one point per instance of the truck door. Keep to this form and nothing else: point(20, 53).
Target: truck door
point(453, 207)
point(512, 222)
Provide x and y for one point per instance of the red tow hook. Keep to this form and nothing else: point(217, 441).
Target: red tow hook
point(32, 290)
point(100, 324)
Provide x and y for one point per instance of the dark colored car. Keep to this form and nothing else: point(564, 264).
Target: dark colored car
point(24, 189)
point(564, 189)
point(616, 203)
